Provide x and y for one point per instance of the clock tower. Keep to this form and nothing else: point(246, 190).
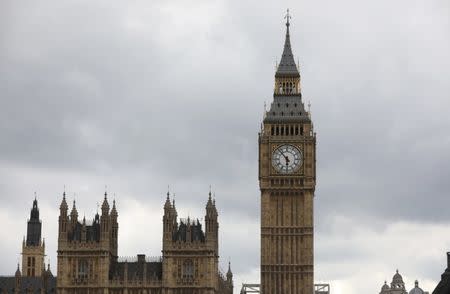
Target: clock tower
point(287, 179)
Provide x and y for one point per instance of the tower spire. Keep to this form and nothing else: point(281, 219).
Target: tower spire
point(287, 66)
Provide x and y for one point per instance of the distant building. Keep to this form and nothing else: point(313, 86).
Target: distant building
point(398, 286)
point(34, 277)
point(444, 285)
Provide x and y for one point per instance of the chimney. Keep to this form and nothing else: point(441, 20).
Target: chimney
point(141, 258)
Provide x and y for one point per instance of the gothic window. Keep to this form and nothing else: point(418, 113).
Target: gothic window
point(296, 130)
point(188, 269)
point(301, 131)
point(83, 269)
point(272, 131)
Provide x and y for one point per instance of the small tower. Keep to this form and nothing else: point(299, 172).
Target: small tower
point(18, 278)
point(104, 219)
point(211, 224)
point(397, 284)
point(33, 248)
point(63, 220)
point(115, 230)
point(230, 277)
point(169, 220)
point(74, 215)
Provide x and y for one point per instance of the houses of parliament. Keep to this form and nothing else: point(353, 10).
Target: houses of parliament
point(88, 261)
point(87, 256)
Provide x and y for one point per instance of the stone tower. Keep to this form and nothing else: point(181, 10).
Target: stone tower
point(86, 251)
point(287, 179)
point(33, 247)
point(190, 255)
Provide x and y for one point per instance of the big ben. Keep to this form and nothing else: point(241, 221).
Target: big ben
point(287, 179)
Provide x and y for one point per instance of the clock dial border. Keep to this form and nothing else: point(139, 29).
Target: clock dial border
point(295, 171)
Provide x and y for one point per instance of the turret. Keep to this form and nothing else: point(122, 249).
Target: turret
point(229, 275)
point(115, 229)
point(74, 214)
point(83, 230)
point(34, 226)
point(211, 224)
point(169, 219)
point(17, 282)
point(63, 219)
point(33, 249)
point(18, 273)
point(104, 219)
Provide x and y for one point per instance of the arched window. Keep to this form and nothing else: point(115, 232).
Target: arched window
point(188, 269)
point(83, 269)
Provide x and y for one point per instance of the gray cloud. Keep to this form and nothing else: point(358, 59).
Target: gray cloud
point(143, 95)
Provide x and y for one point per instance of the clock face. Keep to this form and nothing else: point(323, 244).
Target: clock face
point(287, 159)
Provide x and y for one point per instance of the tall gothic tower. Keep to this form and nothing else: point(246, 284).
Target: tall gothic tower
point(33, 248)
point(287, 179)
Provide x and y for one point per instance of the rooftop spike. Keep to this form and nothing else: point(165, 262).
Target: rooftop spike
point(287, 66)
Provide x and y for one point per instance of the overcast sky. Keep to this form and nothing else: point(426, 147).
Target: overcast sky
point(145, 94)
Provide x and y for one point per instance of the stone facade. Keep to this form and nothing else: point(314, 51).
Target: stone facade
point(287, 178)
point(88, 261)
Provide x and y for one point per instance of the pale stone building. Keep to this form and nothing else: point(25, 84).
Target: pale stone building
point(88, 260)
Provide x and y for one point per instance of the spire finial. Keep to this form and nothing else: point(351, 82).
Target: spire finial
point(168, 191)
point(35, 195)
point(287, 17)
point(106, 189)
point(209, 192)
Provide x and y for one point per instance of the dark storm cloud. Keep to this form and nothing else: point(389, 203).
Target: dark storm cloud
point(143, 95)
